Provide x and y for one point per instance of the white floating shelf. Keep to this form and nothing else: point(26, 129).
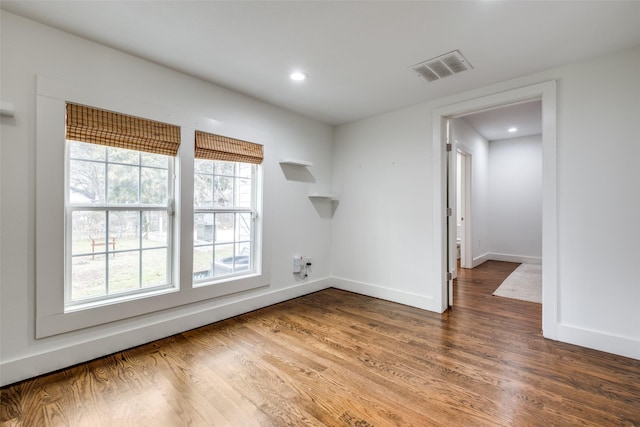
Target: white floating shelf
point(295, 162)
point(330, 196)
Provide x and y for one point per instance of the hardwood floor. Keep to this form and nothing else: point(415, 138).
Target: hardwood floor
point(341, 359)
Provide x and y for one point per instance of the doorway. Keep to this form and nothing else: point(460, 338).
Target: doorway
point(546, 92)
point(463, 209)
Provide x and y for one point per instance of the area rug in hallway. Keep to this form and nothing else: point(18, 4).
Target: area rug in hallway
point(525, 283)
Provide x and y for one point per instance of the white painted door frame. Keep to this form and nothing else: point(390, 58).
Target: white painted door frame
point(545, 91)
point(466, 255)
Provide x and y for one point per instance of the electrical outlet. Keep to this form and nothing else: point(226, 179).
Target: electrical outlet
point(308, 259)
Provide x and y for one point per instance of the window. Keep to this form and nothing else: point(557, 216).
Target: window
point(225, 200)
point(118, 208)
point(109, 244)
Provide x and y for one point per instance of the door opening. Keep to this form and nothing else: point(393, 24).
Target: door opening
point(443, 247)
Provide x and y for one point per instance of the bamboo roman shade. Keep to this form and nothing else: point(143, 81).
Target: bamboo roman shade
point(88, 124)
point(217, 147)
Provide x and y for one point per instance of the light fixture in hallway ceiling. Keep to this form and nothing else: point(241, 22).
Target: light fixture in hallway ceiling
point(442, 66)
point(298, 76)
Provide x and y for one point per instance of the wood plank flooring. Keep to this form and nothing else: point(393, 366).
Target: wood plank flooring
point(340, 359)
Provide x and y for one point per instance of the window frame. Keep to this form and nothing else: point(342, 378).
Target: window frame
point(252, 210)
point(49, 206)
point(106, 207)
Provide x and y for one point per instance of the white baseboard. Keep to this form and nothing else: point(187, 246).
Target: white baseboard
point(393, 295)
point(522, 259)
point(479, 260)
point(179, 320)
point(623, 346)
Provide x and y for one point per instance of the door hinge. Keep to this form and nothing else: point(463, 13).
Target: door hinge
point(449, 146)
point(449, 212)
point(449, 276)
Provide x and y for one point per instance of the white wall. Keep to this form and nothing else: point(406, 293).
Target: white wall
point(515, 199)
point(384, 217)
point(597, 187)
point(292, 223)
point(468, 139)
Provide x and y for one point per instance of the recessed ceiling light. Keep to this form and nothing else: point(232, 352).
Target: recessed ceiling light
point(298, 76)
point(513, 130)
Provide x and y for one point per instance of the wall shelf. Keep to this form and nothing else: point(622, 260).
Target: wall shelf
point(329, 196)
point(295, 162)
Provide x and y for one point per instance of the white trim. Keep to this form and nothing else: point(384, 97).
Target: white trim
point(523, 259)
point(623, 346)
point(147, 330)
point(547, 92)
point(480, 260)
point(407, 298)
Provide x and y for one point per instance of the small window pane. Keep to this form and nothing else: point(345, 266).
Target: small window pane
point(203, 225)
point(154, 160)
point(154, 228)
point(122, 185)
point(243, 227)
point(224, 227)
point(224, 168)
point(88, 276)
point(245, 170)
point(203, 166)
point(154, 185)
point(223, 187)
point(154, 267)
point(121, 155)
point(88, 232)
point(244, 198)
point(202, 262)
point(223, 260)
point(86, 181)
point(124, 272)
point(83, 150)
point(203, 190)
point(124, 230)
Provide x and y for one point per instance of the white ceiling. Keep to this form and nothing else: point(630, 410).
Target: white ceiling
point(357, 53)
point(494, 124)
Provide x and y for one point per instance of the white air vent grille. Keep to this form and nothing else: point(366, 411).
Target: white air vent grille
point(442, 66)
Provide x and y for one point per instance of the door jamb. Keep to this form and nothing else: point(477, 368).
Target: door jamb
point(545, 91)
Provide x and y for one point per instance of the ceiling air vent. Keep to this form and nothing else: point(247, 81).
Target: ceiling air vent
point(442, 66)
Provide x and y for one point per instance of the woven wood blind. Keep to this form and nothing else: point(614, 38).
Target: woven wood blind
point(217, 147)
point(88, 124)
